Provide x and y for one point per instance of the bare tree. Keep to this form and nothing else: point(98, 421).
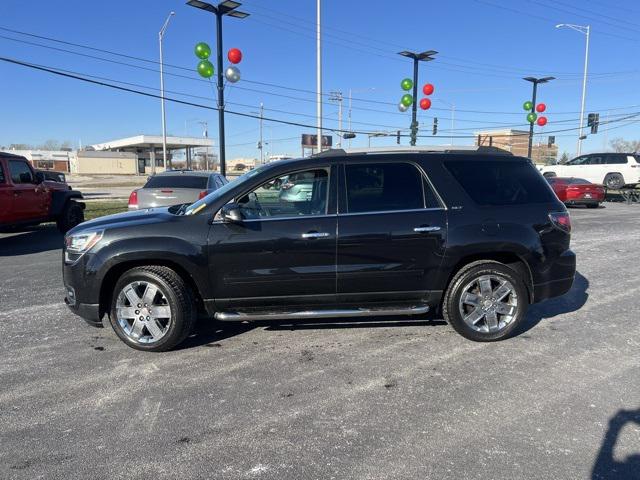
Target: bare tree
point(625, 146)
point(564, 158)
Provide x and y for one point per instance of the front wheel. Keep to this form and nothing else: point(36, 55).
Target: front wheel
point(152, 308)
point(486, 301)
point(72, 215)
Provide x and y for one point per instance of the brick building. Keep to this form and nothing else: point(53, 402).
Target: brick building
point(516, 142)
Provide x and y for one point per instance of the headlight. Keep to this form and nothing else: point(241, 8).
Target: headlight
point(79, 243)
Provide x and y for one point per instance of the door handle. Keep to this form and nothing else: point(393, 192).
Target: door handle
point(426, 229)
point(315, 235)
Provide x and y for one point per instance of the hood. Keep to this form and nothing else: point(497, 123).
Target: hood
point(126, 219)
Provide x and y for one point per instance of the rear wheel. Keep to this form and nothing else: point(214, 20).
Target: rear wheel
point(614, 181)
point(152, 308)
point(486, 301)
point(72, 215)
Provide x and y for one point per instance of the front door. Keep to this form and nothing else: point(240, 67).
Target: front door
point(28, 199)
point(392, 232)
point(283, 252)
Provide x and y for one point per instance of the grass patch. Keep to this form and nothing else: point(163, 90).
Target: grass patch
point(100, 209)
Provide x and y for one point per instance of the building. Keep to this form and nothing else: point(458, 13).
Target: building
point(58, 160)
point(149, 153)
point(517, 142)
point(89, 162)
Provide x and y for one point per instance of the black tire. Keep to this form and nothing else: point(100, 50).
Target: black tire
point(468, 274)
point(178, 296)
point(72, 215)
point(593, 205)
point(614, 181)
point(549, 174)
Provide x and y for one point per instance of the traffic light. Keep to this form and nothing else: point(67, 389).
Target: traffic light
point(435, 126)
point(551, 140)
point(593, 120)
point(349, 135)
point(398, 138)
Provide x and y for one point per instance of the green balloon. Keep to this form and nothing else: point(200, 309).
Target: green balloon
point(406, 100)
point(531, 117)
point(527, 105)
point(202, 50)
point(205, 68)
point(406, 84)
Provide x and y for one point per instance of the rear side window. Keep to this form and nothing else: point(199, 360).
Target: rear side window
point(177, 181)
point(379, 187)
point(20, 172)
point(616, 159)
point(501, 182)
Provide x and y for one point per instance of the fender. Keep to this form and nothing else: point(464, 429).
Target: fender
point(60, 197)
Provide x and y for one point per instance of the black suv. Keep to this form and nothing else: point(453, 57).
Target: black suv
point(475, 236)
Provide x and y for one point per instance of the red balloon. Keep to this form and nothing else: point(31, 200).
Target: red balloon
point(428, 89)
point(542, 121)
point(541, 107)
point(425, 104)
point(234, 55)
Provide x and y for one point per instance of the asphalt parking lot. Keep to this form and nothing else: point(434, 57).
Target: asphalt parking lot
point(366, 400)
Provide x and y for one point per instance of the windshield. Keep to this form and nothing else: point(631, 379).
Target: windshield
point(198, 206)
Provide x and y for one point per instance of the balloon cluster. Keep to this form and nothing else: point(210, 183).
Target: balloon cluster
point(407, 99)
point(205, 67)
point(533, 116)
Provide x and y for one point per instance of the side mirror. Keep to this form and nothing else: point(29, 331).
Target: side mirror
point(26, 177)
point(39, 178)
point(231, 213)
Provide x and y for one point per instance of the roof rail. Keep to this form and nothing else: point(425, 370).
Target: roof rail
point(466, 149)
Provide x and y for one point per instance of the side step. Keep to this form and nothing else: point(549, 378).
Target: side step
point(315, 314)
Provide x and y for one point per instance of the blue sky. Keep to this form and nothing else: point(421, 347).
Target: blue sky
point(486, 47)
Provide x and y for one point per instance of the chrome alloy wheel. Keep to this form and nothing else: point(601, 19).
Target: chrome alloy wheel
point(488, 303)
point(143, 312)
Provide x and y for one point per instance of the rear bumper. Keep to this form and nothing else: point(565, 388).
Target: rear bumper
point(559, 278)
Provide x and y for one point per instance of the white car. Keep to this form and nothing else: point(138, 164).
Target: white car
point(613, 170)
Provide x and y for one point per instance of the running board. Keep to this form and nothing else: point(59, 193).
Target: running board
point(316, 314)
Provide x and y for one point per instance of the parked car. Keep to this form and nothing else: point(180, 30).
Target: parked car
point(297, 187)
point(577, 191)
point(384, 233)
point(53, 176)
point(28, 198)
point(614, 170)
point(175, 187)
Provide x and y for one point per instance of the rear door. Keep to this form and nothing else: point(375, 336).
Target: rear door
point(391, 233)
point(6, 195)
point(29, 201)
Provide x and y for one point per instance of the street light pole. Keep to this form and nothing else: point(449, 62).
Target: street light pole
point(227, 7)
point(337, 97)
point(535, 82)
point(164, 121)
point(585, 30)
point(318, 77)
point(416, 57)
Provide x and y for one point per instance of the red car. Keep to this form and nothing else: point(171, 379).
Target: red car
point(577, 191)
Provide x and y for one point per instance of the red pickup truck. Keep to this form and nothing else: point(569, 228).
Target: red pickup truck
point(27, 198)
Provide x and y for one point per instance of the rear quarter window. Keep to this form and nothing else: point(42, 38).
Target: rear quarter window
point(177, 181)
point(501, 181)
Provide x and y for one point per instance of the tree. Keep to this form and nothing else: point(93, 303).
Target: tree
point(20, 146)
point(625, 146)
point(564, 158)
point(50, 145)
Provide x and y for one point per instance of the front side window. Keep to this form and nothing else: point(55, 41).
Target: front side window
point(584, 160)
point(20, 172)
point(381, 187)
point(296, 194)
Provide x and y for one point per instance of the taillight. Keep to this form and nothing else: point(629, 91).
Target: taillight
point(203, 194)
point(561, 220)
point(133, 199)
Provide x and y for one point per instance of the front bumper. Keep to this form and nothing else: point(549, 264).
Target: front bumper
point(82, 294)
point(89, 312)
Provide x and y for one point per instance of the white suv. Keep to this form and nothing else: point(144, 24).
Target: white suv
point(614, 170)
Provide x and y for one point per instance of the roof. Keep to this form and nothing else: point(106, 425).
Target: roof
point(463, 149)
point(192, 173)
point(10, 155)
point(149, 141)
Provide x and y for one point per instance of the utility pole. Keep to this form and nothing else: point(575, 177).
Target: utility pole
point(205, 134)
point(318, 78)
point(416, 57)
point(586, 31)
point(535, 82)
point(164, 121)
point(337, 97)
point(261, 144)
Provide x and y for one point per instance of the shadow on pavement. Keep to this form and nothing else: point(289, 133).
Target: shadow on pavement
point(606, 467)
point(571, 301)
point(31, 240)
